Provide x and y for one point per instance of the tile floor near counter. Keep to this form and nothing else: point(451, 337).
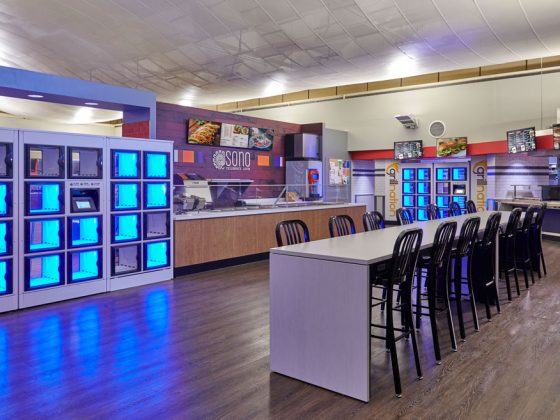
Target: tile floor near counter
point(198, 347)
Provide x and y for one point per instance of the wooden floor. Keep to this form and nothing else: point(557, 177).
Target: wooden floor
point(198, 347)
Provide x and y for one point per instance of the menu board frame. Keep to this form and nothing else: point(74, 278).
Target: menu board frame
point(411, 153)
point(517, 142)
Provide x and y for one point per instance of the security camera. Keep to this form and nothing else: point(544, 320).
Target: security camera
point(407, 120)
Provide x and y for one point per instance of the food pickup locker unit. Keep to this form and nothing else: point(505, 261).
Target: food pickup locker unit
point(452, 184)
point(416, 189)
point(141, 235)
point(62, 193)
point(9, 209)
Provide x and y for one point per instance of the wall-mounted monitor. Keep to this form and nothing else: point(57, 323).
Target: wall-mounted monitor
point(451, 147)
point(204, 132)
point(522, 140)
point(408, 150)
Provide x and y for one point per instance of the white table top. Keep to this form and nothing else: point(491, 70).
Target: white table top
point(372, 247)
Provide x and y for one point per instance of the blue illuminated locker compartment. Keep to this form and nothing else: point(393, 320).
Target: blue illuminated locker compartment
point(422, 214)
point(156, 165)
point(442, 174)
point(125, 164)
point(44, 161)
point(423, 188)
point(409, 174)
point(424, 174)
point(6, 160)
point(156, 225)
point(85, 231)
point(156, 255)
point(6, 199)
point(44, 198)
point(85, 163)
point(423, 200)
point(408, 200)
point(442, 201)
point(443, 188)
point(459, 174)
point(408, 188)
point(44, 235)
point(461, 200)
point(44, 271)
point(125, 259)
point(156, 195)
point(85, 265)
point(6, 278)
point(125, 196)
point(125, 227)
point(444, 213)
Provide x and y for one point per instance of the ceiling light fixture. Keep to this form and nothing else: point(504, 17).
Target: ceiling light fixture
point(402, 66)
point(35, 96)
point(83, 116)
point(185, 102)
point(274, 88)
point(91, 103)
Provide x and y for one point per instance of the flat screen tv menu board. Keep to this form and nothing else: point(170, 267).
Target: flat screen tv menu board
point(451, 147)
point(213, 133)
point(522, 140)
point(408, 149)
point(556, 136)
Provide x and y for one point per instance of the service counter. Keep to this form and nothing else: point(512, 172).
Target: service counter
point(551, 224)
point(208, 237)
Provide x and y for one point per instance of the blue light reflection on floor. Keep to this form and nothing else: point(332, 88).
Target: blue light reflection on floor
point(88, 333)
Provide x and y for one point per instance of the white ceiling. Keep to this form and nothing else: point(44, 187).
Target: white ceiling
point(215, 51)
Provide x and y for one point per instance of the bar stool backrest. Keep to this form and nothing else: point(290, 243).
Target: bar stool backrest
point(293, 231)
point(513, 223)
point(405, 256)
point(404, 217)
point(528, 220)
point(467, 236)
point(370, 221)
point(471, 207)
point(454, 209)
point(433, 212)
point(341, 225)
point(540, 219)
point(492, 226)
point(380, 219)
point(443, 243)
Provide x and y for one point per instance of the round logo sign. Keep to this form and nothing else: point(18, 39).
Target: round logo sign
point(219, 159)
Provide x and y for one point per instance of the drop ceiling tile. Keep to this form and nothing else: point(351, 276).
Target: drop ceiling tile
point(279, 11)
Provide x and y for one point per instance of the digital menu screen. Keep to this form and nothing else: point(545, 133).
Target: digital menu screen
point(522, 140)
point(556, 136)
point(204, 132)
point(211, 133)
point(234, 135)
point(408, 149)
point(451, 147)
point(261, 138)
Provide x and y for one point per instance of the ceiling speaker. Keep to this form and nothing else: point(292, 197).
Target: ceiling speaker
point(437, 129)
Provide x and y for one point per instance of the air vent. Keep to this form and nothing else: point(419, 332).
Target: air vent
point(437, 129)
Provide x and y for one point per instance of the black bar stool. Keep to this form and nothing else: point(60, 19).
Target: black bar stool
point(507, 250)
point(485, 257)
point(291, 232)
point(536, 240)
point(465, 250)
point(373, 220)
point(471, 207)
point(523, 245)
point(404, 216)
point(454, 209)
point(436, 264)
point(341, 225)
point(433, 212)
point(401, 273)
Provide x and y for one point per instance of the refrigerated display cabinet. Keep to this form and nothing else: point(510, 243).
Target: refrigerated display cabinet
point(44, 271)
point(156, 165)
point(85, 162)
point(44, 198)
point(125, 164)
point(125, 259)
point(125, 227)
point(85, 265)
point(44, 161)
point(6, 160)
point(44, 234)
point(157, 225)
point(6, 283)
point(156, 255)
point(85, 231)
point(125, 196)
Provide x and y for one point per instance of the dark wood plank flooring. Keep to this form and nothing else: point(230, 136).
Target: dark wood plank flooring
point(197, 347)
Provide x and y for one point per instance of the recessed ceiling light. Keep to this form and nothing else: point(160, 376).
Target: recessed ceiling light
point(35, 96)
point(91, 103)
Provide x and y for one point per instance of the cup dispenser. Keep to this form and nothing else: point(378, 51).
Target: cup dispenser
point(44, 234)
point(125, 164)
point(44, 271)
point(44, 198)
point(156, 195)
point(156, 225)
point(6, 160)
point(125, 196)
point(125, 259)
point(85, 163)
point(156, 165)
point(84, 265)
point(44, 161)
point(125, 227)
point(156, 255)
point(6, 285)
point(84, 231)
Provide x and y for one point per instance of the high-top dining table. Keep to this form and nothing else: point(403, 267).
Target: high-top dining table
point(320, 299)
